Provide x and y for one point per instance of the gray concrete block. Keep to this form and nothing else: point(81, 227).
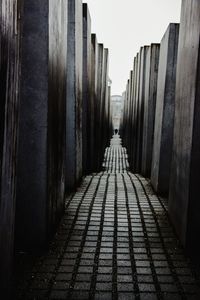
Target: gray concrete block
point(9, 109)
point(164, 118)
point(184, 205)
point(106, 107)
point(126, 119)
point(130, 109)
point(57, 72)
point(140, 109)
point(151, 75)
point(128, 113)
point(103, 120)
point(94, 78)
point(133, 115)
point(41, 156)
point(131, 130)
point(98, 107)
point(74, 95)
point(109, 130)
point(87, 108)
point(135, 111)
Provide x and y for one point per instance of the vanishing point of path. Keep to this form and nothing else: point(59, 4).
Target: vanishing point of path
point(115, 242)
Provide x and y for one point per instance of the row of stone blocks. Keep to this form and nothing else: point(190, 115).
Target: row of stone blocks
point(161, 120)
point(55, 116)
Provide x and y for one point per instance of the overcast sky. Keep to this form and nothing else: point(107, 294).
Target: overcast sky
point(124, 26)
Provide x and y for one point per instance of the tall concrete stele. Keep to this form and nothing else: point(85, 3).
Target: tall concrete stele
point(164, 116)
point(184, 204)
point(117, 106)
point(74, 138)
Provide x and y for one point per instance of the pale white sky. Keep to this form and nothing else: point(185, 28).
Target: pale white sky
point(124, 26)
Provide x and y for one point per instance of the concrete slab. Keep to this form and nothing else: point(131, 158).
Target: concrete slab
point(98, 106)
point(151, 75)
point(131, 106)
point(140, 109)
point(129, 113)
point(184, 205)
point(94, 78)
point(105, 106)
point(164, 118)
point(40, 160)
point(125, 117)
point(57, 72)
point(9, 109)
point(135, 111)
point(88, 112)
point(132, 113)
point(74, 95)
point(103, 120)
point(133, 118)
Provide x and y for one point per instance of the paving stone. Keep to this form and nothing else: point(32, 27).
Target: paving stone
point(82, 286)
point(126, 296)
point(84, 277)
point(146, 287)
point(105, 263)
point(58, 295)
point(124, 278)
point(63, 276)
point(169, 288)
point(79, 295)
point(61, 285)
point(145, 279)
point(125, 287)
point(165, 279)
point(103, 296)
point(104, 277)
point(105, 270)
point(104, 286)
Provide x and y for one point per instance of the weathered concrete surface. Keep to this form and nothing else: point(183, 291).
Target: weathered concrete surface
point(103, 107)
point(100, 98)
point(140, 108)
point(9, 108)
point(87, 126)
point(94, 78)
point(134, 134)
point(74, 95)
point(184, 205)
point(164, 118)
point(132, 115)
point(106, 134)
point(40, 174)
point(151, 75)
point(125, 116)
point(127, 140)
point(129, 113)
point(109, 120)
point(57, 110)
point(98, 106)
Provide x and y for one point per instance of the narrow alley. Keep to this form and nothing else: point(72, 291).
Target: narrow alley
point(99, 149)
point(115, 242)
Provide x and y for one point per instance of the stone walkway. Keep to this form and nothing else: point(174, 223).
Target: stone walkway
point(115, 242)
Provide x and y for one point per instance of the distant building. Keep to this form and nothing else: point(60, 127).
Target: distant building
point(117, 108)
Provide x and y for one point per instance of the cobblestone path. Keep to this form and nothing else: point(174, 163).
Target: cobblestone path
point(115, 242)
